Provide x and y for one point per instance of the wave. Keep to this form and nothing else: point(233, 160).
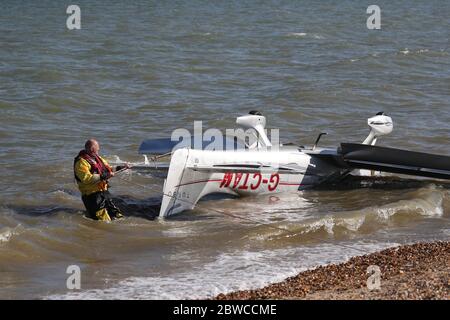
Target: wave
point(225, 273)
point(428, 202)
point(383, 56)
point(406, 51)
point(296, 34)
point(304, 34)
point(64, 196)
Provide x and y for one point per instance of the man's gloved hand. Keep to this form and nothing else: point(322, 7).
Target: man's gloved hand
point(106, 175)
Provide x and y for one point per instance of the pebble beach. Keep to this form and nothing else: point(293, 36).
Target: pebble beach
point(410, 272)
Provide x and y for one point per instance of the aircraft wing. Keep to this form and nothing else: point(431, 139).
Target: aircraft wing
point(351, 156)
point(167, 145)
point(392, 160)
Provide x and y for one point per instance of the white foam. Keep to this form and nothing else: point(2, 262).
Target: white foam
point(405, 51)
point(352, 224)
point(318, 36)
point(7, 233)
point(229, 272)
point(326, 223)
point(297, 34)
point(430, 205)
point(304, 34)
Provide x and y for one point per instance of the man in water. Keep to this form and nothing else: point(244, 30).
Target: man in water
point(92, 173)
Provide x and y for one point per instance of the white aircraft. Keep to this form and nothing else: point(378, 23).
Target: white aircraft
point(261, 168)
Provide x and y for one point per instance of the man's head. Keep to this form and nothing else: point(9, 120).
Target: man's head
point(91, 146)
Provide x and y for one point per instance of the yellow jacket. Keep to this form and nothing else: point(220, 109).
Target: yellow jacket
point(89, 182)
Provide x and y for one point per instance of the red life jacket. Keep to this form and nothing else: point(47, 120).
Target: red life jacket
point(97, 164)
